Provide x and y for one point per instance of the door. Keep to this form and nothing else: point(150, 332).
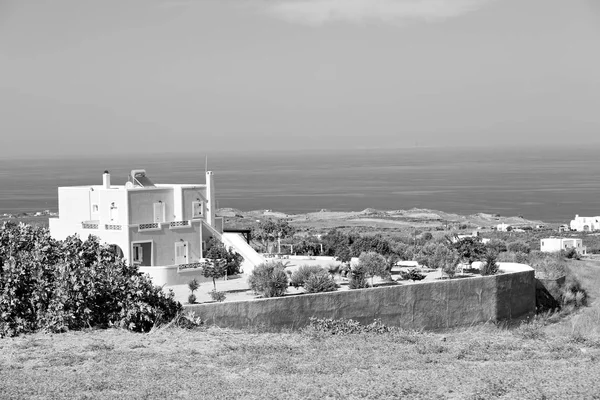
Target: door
point(159, 212)
point(181, 253)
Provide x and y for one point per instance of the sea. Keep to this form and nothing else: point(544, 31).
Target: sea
point(551, 184)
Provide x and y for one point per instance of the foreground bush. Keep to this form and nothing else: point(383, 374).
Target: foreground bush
point(55, 286)
point(345, 326)
point(320, 282)
point(269, 279)
point(302, 273)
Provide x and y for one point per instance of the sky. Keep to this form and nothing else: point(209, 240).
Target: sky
point(133, 76)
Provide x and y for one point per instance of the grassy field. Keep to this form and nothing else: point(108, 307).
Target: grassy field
point(552, 357)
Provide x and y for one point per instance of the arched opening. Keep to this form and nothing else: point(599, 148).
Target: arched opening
point(116, 250)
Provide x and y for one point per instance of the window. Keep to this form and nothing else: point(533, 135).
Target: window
point(114, 213)
point(94, 208)
point(197, 209)
point(138, 253)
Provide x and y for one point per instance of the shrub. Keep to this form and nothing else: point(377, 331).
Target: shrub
point(320, 282)
point(570, 253)
point(217, 296)
point(302, 273)
point(572, 293)
point(358, 278)
point(269, 279)
point(60, 285)
point(192, 298)
point(412, 274)
point(518, 246)
point(490, 266)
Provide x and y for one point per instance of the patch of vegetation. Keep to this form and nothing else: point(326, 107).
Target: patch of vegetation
point(57, 286)
point(269, 279)
point(300, 275)
point(320, 282)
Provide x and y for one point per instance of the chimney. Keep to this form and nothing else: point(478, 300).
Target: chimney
point(211, 208)
point(106, 180)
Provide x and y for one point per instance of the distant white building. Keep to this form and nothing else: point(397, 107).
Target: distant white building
point(551, 245)
point(475, 234)
point(503, 227)
point(585, 224)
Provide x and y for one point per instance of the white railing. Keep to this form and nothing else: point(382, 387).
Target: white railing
point(112, 227)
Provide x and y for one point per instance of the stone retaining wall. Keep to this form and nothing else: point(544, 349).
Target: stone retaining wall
point(428, 305)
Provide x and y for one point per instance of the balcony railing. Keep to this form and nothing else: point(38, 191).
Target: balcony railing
point(89, 225)
point(179, 224)
point(112, 227)
point(149, 227)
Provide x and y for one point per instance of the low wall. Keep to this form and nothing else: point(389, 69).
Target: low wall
point(170, 275)
point(427, 305)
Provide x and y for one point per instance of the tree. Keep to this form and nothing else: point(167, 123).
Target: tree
point(496, 245)
point(470, 249)
point(193, 285)
point(215, 269)
point(371, 243)
point(269, 230)
point(374, 264)
point(217, 251)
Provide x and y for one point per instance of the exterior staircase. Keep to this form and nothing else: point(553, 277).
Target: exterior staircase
point(251, 257)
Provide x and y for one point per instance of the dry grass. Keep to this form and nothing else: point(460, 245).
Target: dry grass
point(549, 358)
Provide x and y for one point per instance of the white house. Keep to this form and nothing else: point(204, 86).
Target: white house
point(585, 224)
point(551, 245)
point(163, 228)
point(503, 227)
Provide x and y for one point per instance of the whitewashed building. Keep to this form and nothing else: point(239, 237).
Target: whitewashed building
point(551, 245)
point(162, 228)
point(585, 224)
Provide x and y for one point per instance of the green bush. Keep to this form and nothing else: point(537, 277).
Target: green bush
point(192, 298)
point(320, 282)
point(302, 273)
point(489, 266)
point(269, 279)
point(56, 286)
point(217, 296)
point(358, 278)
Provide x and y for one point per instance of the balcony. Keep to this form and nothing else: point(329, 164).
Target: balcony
point(89, 225)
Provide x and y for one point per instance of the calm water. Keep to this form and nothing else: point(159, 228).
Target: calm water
point(548, 184)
